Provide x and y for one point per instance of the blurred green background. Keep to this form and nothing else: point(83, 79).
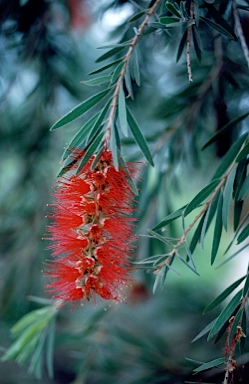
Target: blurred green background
point(47, 48)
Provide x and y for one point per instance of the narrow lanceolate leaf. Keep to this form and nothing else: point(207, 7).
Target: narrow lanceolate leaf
point(204, 331)
point(196, 237)
point(230, 156)
point(168, 219)
point(169, 20)
point(243, 235)
point(188, 266)
point(217, 230)
point(80, 136)
point(201, 196)
point(182, 45)
point(90, 151)
point(225, 314)
point(236, 322)
point(50, 349)
point(217, 27)
point(135, 72)
point(114, 145)
point(110, 53)
point(97, 81)
point(101, 69)
point(246, 286)
point(239, 178)
point(226, 127)
point(233, 255)
point(244, 328)
point(216, 15)
point(208, 218)
point(138, 136)
point(228, 197)
point(173, 9)
point(122, 115)
point(128, 82)
point(80, 109)
point(244, 189)
point(96, 126)
point(136, 16)
point(197, 43)
point(210, 364)
point(116, 72)
point(223, 295)
point(243, 153)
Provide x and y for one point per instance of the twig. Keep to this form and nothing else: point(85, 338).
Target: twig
point(127, 57)
point(240, 32)
point(190, 77)
point(182, 240)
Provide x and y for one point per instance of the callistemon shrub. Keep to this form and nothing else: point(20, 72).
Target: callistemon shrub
point(92, 233)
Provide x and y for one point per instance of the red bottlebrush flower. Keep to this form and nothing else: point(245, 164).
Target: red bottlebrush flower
point(92, 233)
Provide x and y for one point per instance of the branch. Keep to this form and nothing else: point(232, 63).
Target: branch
point(240, 32)
point(182, 240)
point(190, 77)
point(127, 57)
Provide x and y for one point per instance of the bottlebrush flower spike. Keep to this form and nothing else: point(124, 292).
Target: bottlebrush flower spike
point(92, 233)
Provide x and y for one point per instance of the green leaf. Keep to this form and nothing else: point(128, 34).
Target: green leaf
point(236, 322)
point(244, 328)
point(126, 170)
point(50, 349)
point(97, 124)
point(239, 178)
point(101, 69)
point(217, 27)
point(230, 156)
point(182, 45)
point(128, 82)
point(168, 219)
point(168, 20)
point(197, 234)
point(225, 314)
point(233, 255)
point(116, 72)
point(201, 196)
point(135, 72)
point(226, 127)
point(173, 9)
point(210, 364)
point(90, 151)
point(97, 81)
point(243, 153)
point(204, 331)
point(228, 197)
point(80, 109)
point(216, 15)
point(243, 235)
point(208, 218)
point(187, 264)
point(122, 115)
point(138, 136)
point(197, 43)
point(217, 230)
point(238, 207)
point(246, 286)
point(115, 145)
point(110, 53)
point(244, 189)
point(80, 136)
point(159, 237)
point(137, 16)
point(223, 295)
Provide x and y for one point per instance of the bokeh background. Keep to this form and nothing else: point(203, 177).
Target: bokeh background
point(47, 47)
